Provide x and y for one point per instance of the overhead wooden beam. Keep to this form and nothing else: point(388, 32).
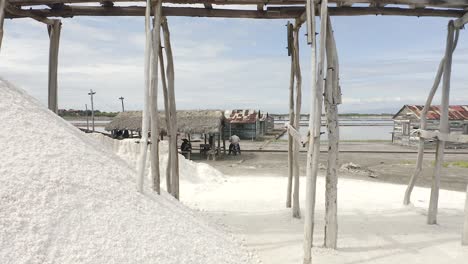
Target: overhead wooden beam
point(12, 11)
point(340, 3)
point(270, 13)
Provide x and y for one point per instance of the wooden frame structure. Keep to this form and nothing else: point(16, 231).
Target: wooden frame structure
point(325, 88)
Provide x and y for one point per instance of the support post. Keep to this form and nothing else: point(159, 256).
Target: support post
point(167, 117)
point(297, 72)
point(313, 150)
point(332, 99)
point(443, 127)
point(156, 42)
point(171, 95)
point(2, 19)
point(465, 226)
point(291, 118)
point(145, 115)
point(54, 37)
point(423, 125)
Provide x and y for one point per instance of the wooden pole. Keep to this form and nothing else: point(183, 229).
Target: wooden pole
point(332, 99)
point(423, 125)
point(167, 117)
point(443, 127)
point(297, 70)
point(291, 119)
point(156, 42)
point(54, 36)
point(465, 226)
point(2, 18)
point(314, 124)
point(145, 115)
point(171, 95)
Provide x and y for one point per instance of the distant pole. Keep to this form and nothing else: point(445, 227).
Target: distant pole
point(121, 99)
point(87, 117)
point(91, 93)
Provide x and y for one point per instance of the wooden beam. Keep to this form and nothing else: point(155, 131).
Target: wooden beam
point(290, 39)
point(16, 12)
point(423, 125)
point(443, 127)
point(313, 149)
point(459, 23)
point(340, 3)
point(260, 7)
point(54, 36)
point(296, 147)
point(145, 119)
point(208, 6)
point(2, 19)
point(155, 44)
point(270, 13)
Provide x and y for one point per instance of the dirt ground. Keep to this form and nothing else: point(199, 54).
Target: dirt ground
point(383, 161)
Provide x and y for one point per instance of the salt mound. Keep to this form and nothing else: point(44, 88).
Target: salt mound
point(189, 171)
point(66, 200)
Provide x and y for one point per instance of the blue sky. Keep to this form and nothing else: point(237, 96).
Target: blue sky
point(233, 63)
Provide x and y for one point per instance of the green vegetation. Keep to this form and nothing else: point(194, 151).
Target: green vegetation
point(82, 113)
point(460, 164)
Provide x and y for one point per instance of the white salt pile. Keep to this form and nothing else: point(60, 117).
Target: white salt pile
point(65, 200)
point(190, 172)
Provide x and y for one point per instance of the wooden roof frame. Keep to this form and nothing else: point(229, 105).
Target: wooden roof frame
point(43, 10)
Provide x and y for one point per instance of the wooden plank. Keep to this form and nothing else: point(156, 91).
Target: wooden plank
point(341, 3)
point(155, 43)
point(270, 13)
point(444, 127)
point(296, 136)
point(2, 19)
point(459, 23)
point(54, 41)
point(13, 12)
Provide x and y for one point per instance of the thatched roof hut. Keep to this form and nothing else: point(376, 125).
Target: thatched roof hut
point(188, 121)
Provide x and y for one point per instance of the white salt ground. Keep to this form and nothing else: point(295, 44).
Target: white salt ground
point(66, 199)
point(374, 226)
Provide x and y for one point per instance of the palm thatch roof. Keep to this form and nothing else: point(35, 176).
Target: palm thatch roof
point(188, 121)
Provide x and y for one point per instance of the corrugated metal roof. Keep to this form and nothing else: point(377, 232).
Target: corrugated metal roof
point(456, 112)
point(241, 116)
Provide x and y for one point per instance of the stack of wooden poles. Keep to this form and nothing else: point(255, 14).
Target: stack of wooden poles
point(154, 57)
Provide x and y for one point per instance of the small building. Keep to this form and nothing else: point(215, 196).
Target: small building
point(207, 123)
point(247, 123)
point(408, 119)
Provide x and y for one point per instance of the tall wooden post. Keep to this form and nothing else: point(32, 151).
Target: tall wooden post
point(423, 125)
point(332, 99)
point(171, 95)
point(291, 116)
point(465, 226)
point(54, 36)
point(2, 19)
point(443, 127)
point(297, 72)
point(167, 117)
point(146, 109)
point(314, 135)
point(156, 42)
